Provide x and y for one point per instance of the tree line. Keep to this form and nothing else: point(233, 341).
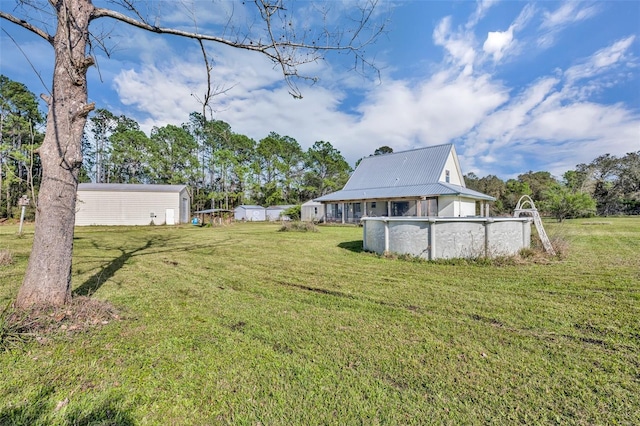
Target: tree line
point(225, 169)
point(222, 168)
point(606, 186)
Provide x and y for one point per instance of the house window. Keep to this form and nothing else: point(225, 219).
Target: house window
point(447, 176)
point(315, 210)
point(399, 208)
point(373, 205)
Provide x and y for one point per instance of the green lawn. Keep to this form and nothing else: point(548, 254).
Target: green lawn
point(246, 325)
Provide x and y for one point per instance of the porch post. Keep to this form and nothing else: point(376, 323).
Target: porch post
point(343, 211)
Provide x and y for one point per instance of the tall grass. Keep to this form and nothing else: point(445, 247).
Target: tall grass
point(247, 325)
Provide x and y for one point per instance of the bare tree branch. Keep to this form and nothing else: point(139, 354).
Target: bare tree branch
point(284, 48)
point(27, 25)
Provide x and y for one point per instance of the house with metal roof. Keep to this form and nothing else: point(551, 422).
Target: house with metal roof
point(132, 204)
point(420, 182)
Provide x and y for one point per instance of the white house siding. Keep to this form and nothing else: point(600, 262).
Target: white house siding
point(454, 206)
point(377, 208)
point(455, 174)
point(99, 207)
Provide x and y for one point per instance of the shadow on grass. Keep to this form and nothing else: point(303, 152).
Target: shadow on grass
point(96, 281)
point(41, 410)
point(354, 246)
point(153, 245)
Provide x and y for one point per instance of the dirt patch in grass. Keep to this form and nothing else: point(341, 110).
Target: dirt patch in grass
point(45, 322)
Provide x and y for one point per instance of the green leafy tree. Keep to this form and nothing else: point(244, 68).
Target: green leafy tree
point(101, 125)
point(628, 182)
point(563, 203)
point(514, 189)
point(383, 150)
point(279, 163)
point(130, 155)
point(494, 186)
point(19, 138)
point(538, 183)
point(326, 170)
point(172, 156)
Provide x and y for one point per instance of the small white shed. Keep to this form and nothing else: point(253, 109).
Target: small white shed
point(277, 212)
point(250, 213)
point(132, 204)
point(312, 211)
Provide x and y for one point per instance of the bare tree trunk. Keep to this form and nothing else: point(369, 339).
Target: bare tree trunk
point(48, 276)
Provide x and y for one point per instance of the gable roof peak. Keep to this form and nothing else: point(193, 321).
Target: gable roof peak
point(413, 167)
point(411, 151)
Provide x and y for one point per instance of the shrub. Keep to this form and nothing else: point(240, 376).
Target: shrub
point(293, 213)
point(298, 227)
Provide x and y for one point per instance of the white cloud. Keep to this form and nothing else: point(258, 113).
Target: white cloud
point(568, 13)
point(601, 60)
point(482, 8)
point(497, 43)
point(459, 45)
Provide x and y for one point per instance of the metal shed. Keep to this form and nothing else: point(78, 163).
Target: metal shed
point(274, 213)
point(132, 204)
point(250, 213)
point(312, 211)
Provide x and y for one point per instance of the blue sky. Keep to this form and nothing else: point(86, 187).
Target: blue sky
point(515, 85)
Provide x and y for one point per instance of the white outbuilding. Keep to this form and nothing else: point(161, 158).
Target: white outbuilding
point(274, 213)
point(312, 211)
point(250, 213)
point(132, 204)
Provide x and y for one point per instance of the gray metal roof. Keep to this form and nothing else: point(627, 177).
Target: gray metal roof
point(412, 191)
point(406, 168)
point(281, 207)
point(406, 174)
point(250, 207)
point(213, 211)
point(129, 187)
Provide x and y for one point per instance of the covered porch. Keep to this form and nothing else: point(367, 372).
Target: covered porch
point(352, 211)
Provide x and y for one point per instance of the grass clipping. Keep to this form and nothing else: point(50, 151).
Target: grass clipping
point(41, 323)
point(6, 258)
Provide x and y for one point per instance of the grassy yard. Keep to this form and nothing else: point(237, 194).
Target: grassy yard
point(247, 325)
